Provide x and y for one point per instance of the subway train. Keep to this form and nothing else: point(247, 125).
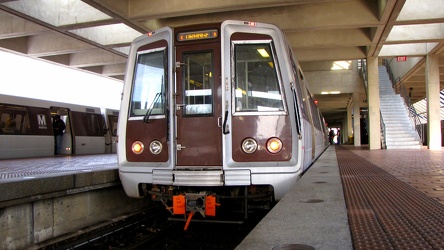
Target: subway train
point(26, 128)
point(216, 113)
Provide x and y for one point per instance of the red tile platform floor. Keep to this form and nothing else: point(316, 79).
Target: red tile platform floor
point(394, 198)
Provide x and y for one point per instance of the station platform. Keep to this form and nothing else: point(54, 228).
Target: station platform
point(355, 198)
point(20, 169)
point(43, 200)
point(26, 179)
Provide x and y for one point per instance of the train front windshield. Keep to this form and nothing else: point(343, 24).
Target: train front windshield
point(257, 85)
point(149, 84)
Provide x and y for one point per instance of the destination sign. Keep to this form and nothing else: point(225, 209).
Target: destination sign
point(197, 35)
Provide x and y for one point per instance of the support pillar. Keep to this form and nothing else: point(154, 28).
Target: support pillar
point(373, 104)
point(349, 122)
point(433, 103)
point(356, 120)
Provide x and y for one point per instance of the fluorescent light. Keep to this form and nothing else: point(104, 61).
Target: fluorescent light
point(263, 53)
point(341, 65)
point(330, 93)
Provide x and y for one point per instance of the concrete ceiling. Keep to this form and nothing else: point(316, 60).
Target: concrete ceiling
point(94, 35)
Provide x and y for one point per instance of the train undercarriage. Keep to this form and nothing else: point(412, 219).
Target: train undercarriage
point(212, 204)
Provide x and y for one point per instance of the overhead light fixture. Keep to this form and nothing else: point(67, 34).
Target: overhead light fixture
point(263, 53)
point(341, 65)
point(330, 92)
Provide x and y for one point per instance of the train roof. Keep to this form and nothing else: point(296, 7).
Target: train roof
point(25, 101)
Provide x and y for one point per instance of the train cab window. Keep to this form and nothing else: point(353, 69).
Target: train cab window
point(198, 84)
point(257, 85)
point(148, 92)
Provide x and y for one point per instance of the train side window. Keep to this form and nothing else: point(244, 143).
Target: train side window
point(299, 78)
point(149, 83)
point(113, 124)
point(14, 120)
point(257, 83)
point(94, 128)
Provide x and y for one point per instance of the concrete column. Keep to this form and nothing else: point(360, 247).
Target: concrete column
point(356, 120)
point(373, 104)
point(433, 103)
point(349, 122)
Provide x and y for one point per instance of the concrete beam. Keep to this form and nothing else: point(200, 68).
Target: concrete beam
point(144, 9)
point(114, 69)
point(330, 38)
point(326, 54)
point(94, 58)
point(61, 59)
point(119, 77)
point(52, 43)
point(94, 69)
point(12, 26)
point(19, 44)
point(338, 15)
point(109, 34)
point(413, 49)
point(58, 13)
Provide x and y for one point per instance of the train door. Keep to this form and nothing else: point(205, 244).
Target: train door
point(198, 106)
point(68, 138)
point(111, 118)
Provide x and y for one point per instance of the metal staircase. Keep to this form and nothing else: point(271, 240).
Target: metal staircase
point(398, 129)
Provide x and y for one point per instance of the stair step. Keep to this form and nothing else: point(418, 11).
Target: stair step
point(404, 146)
point(399, 132)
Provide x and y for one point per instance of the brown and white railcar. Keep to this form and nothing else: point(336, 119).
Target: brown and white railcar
point(216, 111)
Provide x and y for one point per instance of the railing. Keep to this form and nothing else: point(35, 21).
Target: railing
point(362, 67)
point(414, 116)
point(402, 91)
point(383, 139)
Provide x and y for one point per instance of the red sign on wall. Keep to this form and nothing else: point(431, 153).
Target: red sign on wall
point(401, 58)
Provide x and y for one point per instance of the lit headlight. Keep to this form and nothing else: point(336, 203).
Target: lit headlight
point(137, 147)
point(156, 147)
point(249, 145)
point(274, 145)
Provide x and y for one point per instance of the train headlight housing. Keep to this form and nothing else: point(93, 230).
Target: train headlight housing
point(249, 146)
point(274, 145)
point(137, 147)
point(156, 147)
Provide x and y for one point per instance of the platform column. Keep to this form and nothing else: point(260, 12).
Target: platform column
point(433, 103)
point(356, 120)
point(373, 104)
point(349, 121)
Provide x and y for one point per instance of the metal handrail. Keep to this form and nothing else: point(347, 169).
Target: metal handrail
point(383, 138)
point(417, 121)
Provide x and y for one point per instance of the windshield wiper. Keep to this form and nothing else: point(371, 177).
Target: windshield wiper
point(146, 118)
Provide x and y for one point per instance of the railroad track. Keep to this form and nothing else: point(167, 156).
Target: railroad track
point(151, 229)
point(121, 234)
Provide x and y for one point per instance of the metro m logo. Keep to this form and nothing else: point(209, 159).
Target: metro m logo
point(41, 120)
